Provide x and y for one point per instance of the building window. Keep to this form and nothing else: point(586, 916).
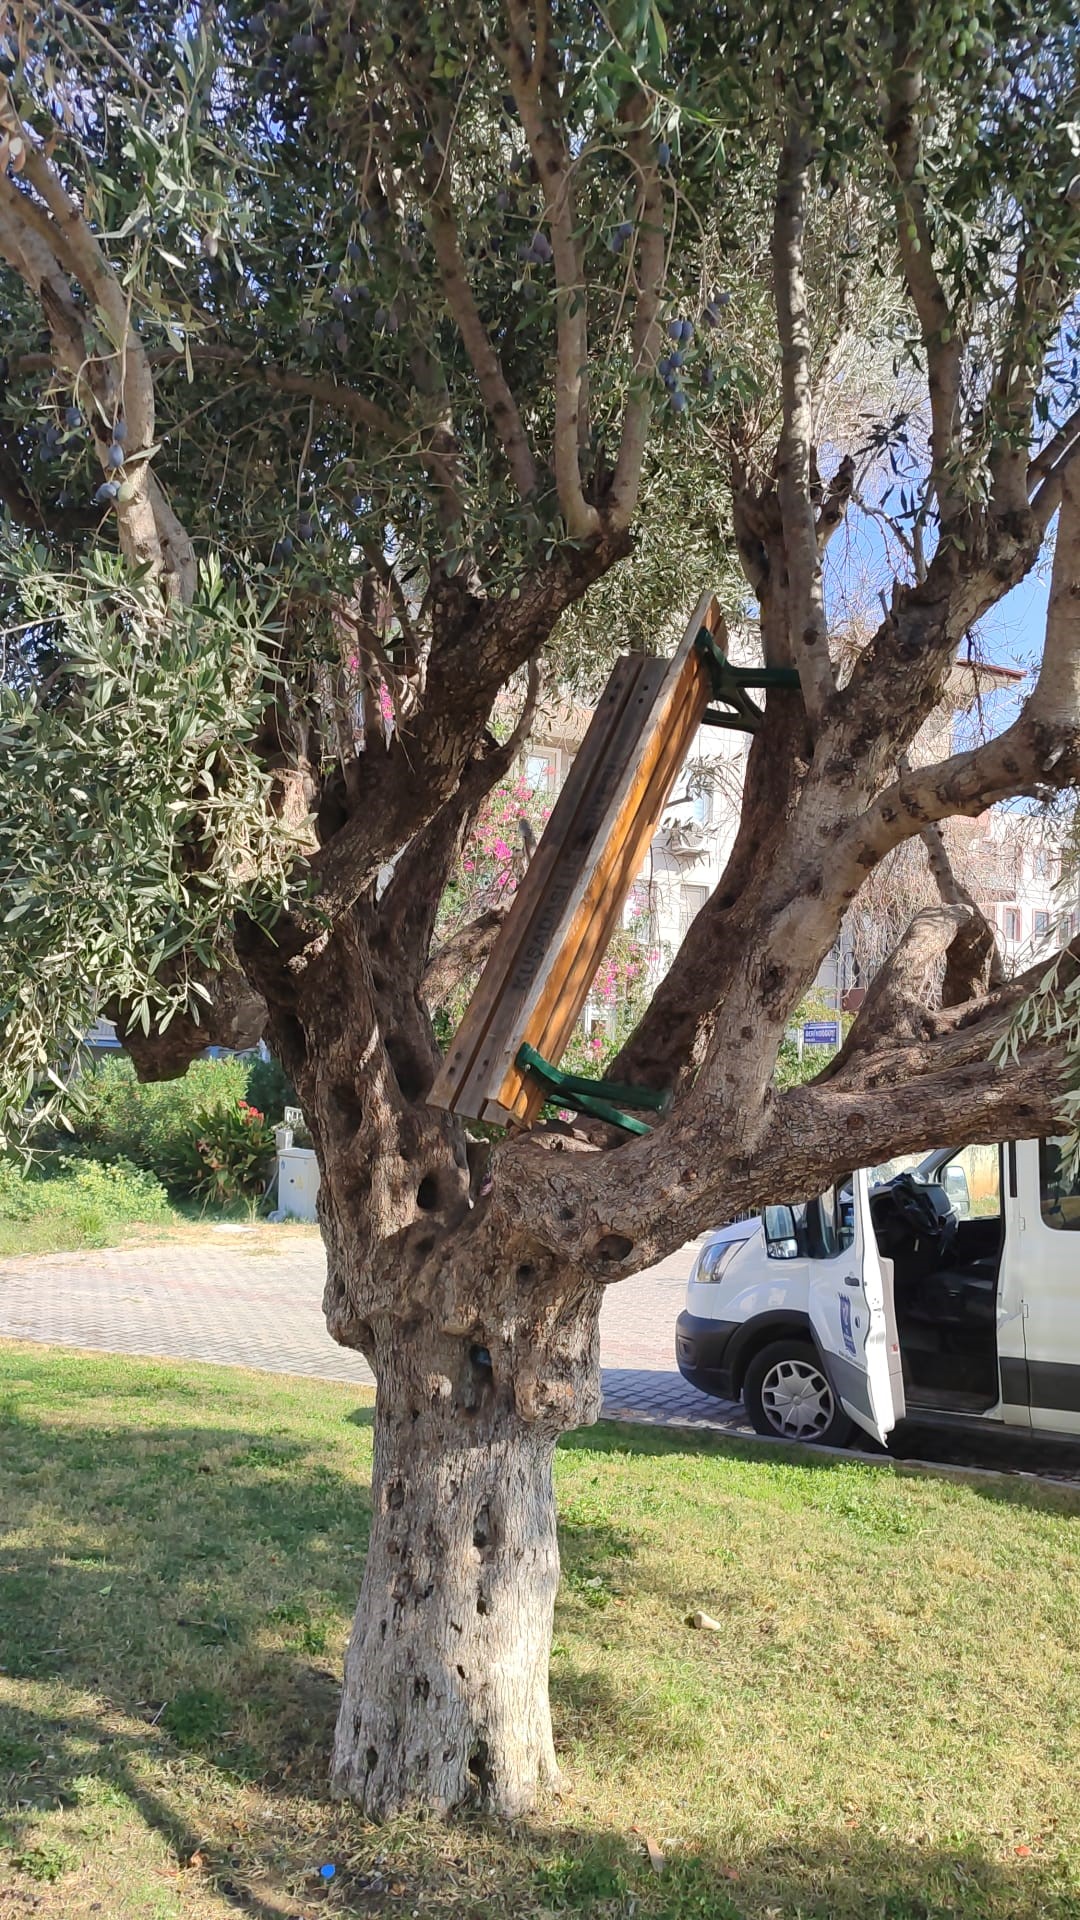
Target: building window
point(690, 904)
point(1042, 923)
point(1013, 923)
point(702, 806)
point(541, 769)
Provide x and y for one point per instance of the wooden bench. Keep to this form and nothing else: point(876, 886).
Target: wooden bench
point(571, 898)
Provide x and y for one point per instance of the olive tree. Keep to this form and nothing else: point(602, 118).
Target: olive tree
point(347, 348)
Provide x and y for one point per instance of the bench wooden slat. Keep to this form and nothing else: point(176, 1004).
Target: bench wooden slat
point(490, 1010)
point(571, 897)
point(584, 937)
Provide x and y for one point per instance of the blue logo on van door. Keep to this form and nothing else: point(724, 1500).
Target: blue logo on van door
point(845, 1322)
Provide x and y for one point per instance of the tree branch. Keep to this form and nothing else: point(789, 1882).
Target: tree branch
point(806, 604)
point(1046, 473)
point(1013, 388)
point(496, 637)
point(491, 380)
point(329, 394)
point(937, 323)
point(650, 241)
point(1040, 750)
point(609, 1214)
point(903, 991)
point(48, 242)
point(411, 900)
point(1056, 449)
point(552, 159)
point(462, 955)
point(835, 504)
point(973, 963)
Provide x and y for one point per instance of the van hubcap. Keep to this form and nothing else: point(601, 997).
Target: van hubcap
point(797, 1399)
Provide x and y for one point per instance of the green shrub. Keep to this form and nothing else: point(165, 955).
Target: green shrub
point(157, 1125)
point(74, 1203)
point(270, 1089)
point(235, 1147)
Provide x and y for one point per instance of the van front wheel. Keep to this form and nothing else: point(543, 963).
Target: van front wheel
point(788, 1397)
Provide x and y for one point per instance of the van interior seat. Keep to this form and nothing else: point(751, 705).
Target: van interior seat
point(945, 1279)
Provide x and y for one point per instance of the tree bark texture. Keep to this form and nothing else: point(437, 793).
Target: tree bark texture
point(445, 1700)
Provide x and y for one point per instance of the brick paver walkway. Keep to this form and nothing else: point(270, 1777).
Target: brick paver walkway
point(226, 1300)
point(223, 1301)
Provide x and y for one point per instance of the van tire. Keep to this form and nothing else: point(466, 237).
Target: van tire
point(790, 1370)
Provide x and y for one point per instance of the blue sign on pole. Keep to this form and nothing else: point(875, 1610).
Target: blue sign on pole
point(821, 1033)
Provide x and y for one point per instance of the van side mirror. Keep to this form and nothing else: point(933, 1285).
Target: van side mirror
point(781, 1233)
point(954, 1181)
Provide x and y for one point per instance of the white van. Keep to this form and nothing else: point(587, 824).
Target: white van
point(943, 1289)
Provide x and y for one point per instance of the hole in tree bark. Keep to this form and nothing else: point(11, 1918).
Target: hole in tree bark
point(412, 1074)
point(371, 1759)
point(291, 1043)
point(427, 1193)
point(525, 1271)
point(480, 1766)
point(346, 1106)
point(481, 1604)
point(481, 1536)
point(614, 1246)
point(395, 1495)
point(461, 1673)
point(421, 1688)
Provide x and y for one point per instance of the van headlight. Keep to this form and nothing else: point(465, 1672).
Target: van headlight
point(714, 1262)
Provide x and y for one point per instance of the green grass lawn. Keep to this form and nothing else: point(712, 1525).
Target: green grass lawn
point(887, 1725)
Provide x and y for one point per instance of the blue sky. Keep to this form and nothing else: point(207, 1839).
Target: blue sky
point(1011, 634)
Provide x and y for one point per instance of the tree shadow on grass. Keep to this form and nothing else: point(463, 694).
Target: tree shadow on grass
point(191, 1576)
point(821, 1874)
point(80, 1760)
point(198, 1581)
point(188, 1575)
point(540, 1866)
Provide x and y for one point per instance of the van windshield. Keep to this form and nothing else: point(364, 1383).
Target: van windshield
point(900, 1163)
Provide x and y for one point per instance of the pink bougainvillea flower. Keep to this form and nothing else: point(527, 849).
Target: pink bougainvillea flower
point(501, 850)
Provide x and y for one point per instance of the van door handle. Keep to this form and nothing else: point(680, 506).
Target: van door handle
point(851, 1280)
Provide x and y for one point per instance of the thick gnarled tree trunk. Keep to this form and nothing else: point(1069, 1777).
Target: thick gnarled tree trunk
point(445, 1699)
